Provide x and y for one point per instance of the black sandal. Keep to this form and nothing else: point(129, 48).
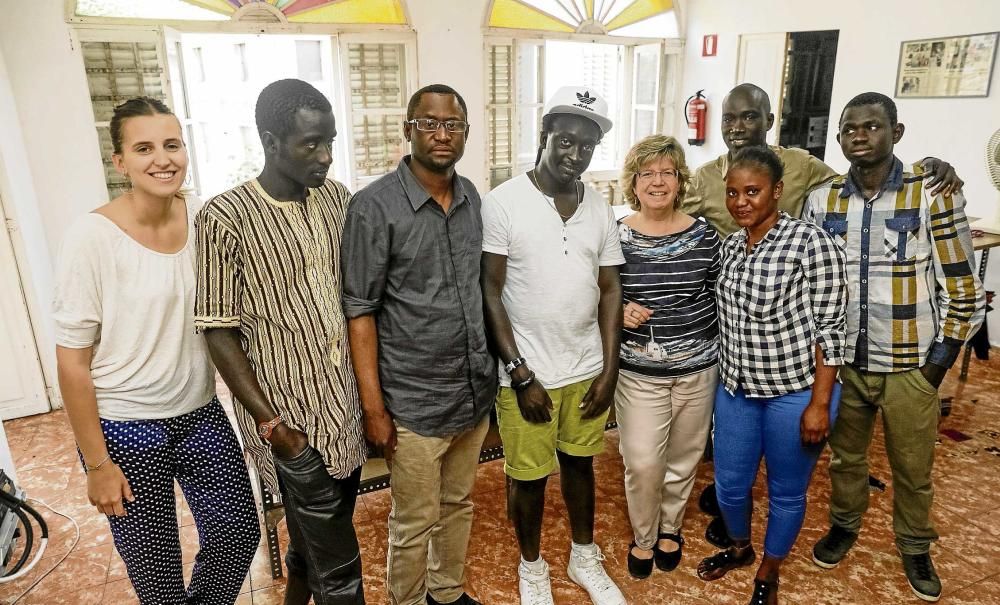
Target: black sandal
point(716, 533)
point(764, 593)
point(725, 561)
point(708, 502)
point(639, 568)
point(667, 561)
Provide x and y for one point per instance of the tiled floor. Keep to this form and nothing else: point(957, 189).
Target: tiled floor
point(967, 513)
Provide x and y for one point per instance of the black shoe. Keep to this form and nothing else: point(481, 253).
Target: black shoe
point(708, 502)
point(764, 593)
point(667, 561)
point(639, 568)
point(465, 599)
point(717, 534)
point(924, 581)
point(832, 547)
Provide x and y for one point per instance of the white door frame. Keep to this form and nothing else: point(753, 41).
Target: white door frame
point(29, 394)
point(761, 60)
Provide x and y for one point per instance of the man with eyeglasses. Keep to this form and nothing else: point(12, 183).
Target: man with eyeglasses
point(410, 257)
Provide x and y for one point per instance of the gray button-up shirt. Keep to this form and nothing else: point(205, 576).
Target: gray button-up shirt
point(416, 269)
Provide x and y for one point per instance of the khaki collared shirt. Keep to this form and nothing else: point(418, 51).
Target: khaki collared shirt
point(706, 194)
point(272, 269)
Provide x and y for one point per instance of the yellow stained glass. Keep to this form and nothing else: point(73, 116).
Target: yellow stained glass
point(639, 10)
point(218, 6)
point(389, 12)
point(514, 14)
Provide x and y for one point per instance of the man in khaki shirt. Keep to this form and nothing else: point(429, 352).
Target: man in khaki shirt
point(746, 120)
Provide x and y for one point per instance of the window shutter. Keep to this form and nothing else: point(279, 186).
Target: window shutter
point(378, 95)
point(119, 65)
point(500, 111)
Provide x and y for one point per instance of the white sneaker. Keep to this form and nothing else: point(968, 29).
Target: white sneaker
point(588, 572)
point(535, 587)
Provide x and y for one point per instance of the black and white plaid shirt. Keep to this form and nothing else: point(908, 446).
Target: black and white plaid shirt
point(775, 303)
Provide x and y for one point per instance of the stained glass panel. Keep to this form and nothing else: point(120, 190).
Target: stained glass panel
point(639, 18)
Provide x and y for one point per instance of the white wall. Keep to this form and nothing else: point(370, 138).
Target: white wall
point(48, 146)
point(450, 51)
point(28, 238)
point(46, 75)
point(867, 56)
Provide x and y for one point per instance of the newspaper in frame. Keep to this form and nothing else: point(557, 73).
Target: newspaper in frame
point(959, 66)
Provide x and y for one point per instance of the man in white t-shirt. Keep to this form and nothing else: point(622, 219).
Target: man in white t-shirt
point(553, 309)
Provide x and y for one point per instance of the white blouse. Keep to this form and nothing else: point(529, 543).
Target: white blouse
point(135, 306)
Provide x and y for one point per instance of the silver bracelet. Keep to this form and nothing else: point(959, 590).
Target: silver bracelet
point(98, 466)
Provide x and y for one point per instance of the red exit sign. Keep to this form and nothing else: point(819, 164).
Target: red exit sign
point(709, 45)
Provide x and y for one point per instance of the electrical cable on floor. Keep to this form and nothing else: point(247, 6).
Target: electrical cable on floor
point(76, 541)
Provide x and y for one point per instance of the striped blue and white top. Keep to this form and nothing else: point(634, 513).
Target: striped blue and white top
point(673, 276)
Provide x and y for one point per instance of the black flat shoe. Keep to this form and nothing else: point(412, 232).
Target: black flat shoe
point(716, 533)
point(667, 561)
point(639, 568)
point(764, 593)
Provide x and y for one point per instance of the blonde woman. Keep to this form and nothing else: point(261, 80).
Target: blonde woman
point(669, 349)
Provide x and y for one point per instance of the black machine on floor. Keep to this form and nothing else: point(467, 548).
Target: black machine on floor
point(15, 524)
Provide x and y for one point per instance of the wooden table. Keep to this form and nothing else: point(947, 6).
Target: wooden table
point(983, 243)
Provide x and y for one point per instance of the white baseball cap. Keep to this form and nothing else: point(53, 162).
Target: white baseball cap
point(580, 101)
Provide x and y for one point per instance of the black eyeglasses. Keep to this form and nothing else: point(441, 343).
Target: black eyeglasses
point(431, 125)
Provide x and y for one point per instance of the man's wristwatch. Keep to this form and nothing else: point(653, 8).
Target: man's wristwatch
point(264, 429)
point(514, 364)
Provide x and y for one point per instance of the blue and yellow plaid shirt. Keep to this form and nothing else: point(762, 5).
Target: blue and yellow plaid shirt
point(914, 296)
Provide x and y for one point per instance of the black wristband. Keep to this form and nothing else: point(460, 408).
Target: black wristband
point(520, 386)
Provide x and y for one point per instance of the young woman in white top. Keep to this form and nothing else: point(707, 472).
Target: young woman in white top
point(137, 381)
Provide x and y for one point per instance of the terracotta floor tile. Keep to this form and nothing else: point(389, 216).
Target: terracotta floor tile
point(88, 596)
point(119, 592)
point(980, 593)
point(967, 515)
point(490, 477)
point(378, 504)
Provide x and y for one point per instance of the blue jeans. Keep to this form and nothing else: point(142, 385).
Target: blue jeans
point(747, 429)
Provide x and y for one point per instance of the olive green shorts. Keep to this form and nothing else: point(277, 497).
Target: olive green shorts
point(530, 447)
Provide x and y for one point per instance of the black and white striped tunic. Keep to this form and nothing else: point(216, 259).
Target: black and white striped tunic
point(272, 269)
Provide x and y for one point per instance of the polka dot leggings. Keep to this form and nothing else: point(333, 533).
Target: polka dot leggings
point(200, 451)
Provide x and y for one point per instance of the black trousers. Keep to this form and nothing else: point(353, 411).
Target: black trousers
point(319, 512)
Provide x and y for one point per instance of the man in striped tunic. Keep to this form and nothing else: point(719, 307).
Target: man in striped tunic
point(268, 300)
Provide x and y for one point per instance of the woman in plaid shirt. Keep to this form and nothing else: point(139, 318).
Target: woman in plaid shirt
point(782, 294)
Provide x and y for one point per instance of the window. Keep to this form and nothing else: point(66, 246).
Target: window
point(637, 80)
point(645, 92)
point(309, 59)
point(378, 84)
point(241, 60)
point(199, 63)
point(119, 67)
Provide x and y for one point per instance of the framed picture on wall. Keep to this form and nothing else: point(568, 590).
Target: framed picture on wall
point(959, 66)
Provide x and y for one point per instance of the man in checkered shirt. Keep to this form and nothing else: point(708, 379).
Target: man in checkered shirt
point(914, 300)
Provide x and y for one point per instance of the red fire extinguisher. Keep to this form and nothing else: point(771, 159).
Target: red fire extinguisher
point(695, 112)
